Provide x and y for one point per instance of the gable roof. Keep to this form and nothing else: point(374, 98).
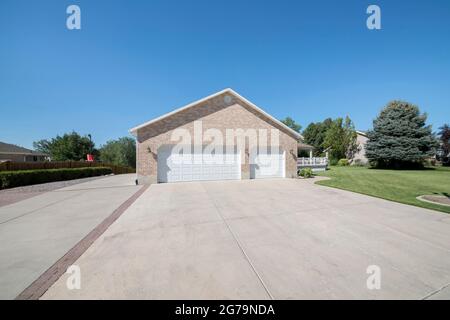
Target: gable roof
point(228, 90)
point(304, 146)
point(361, 133)
point(7, 148)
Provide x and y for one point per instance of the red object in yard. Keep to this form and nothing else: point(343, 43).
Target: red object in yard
point(90, 157)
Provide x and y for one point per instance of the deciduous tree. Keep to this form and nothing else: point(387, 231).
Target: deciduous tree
point(292, 124)
point(444, 139)
point(120, 152)
point(315, 133)
point(70, 146)
point(340, 139)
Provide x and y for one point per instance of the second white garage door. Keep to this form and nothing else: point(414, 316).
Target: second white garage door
point(269, 166)
point(196, 166)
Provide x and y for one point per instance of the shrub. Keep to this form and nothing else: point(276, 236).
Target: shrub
point(306, 173)
point(343, 162)
point(11, 179)
point(332, 161)
point(46, 165)
point(430, 162)
point(359, 163)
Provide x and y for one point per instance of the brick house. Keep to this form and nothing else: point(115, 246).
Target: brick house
point(252, 143)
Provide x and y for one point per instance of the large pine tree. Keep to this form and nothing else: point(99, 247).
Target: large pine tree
point(400, 137)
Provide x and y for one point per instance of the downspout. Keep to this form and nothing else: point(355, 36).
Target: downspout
point(135, 134)
point(137, 154)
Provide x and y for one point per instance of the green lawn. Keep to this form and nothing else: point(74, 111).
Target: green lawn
point(396, 185)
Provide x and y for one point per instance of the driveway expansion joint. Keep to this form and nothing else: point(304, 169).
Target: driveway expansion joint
point(435, 292)
point(252, 266)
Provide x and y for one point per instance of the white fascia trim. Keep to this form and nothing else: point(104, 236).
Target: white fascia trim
point(361, 133)
point(134, 130)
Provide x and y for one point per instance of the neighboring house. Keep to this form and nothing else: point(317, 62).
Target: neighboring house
point(440, 153)
point(360, 156)
point(224, 111)
point(11, 152)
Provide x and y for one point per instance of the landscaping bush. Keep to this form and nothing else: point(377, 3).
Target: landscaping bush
point(47, 165)
point(306, 173)
point(11, 179)
point(430, 162)
point(332, 161)
point(359, 163)
point(343, 162)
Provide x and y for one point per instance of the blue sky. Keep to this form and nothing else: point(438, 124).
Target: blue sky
point(135, 60)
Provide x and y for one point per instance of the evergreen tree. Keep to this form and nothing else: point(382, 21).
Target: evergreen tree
point(400, 138)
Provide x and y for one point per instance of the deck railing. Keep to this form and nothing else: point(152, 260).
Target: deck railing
point(314, 161)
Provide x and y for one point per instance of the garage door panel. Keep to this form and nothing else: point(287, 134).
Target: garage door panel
point(197, 167)
point(269, 166)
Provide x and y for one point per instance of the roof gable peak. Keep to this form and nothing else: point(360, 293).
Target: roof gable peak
point(226, 90)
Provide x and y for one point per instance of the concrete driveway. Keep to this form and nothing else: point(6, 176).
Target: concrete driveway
point(36, 232)
point(263, 239)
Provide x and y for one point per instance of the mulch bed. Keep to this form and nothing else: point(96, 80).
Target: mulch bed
point(437, 199)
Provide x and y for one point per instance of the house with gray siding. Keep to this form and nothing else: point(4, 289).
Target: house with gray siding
point(11, 152)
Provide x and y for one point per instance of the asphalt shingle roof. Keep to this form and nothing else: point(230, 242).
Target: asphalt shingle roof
point(12, 148)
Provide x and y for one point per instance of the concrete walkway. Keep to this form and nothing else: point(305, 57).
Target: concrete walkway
point(36, 232)
point(281, 239)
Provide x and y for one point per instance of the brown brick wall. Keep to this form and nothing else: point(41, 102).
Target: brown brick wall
point(214, 113)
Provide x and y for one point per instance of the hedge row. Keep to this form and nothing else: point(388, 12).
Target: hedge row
point(11, 179)
point(45, 165)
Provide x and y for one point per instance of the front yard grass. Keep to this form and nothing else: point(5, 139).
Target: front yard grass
point(397, 185)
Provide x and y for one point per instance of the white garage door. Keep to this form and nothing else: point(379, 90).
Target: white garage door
point(176, 166)
point(269, 166)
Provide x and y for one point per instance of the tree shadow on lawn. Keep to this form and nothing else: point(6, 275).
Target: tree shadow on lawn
point(405, 169)
point(445, 194)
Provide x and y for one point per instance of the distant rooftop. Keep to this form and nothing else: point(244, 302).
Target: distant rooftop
point(304, 146)
point(12, 148)
point(363, 133)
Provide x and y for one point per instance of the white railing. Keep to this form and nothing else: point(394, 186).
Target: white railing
point(315, 161)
